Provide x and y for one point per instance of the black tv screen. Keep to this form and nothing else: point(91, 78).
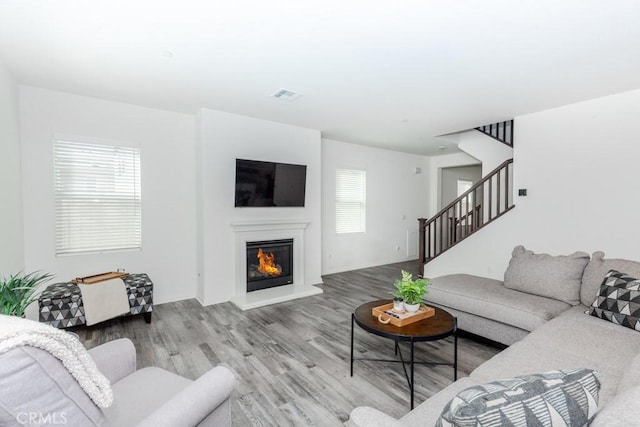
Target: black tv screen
point(260, 184)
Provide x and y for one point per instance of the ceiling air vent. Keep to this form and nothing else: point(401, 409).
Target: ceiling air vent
point(286, 95)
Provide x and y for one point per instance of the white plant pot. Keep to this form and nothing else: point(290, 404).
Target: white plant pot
point(411, 308)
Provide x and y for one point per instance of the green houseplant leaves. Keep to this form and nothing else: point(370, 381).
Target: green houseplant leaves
point(18, 291)
point(411, 291)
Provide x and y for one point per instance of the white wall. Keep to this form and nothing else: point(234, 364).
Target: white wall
point(168, 187)
point(396, 198)
point(436, 164)
point(489, 151)
point(11, 230)
point(223, 138)
point(579, 164)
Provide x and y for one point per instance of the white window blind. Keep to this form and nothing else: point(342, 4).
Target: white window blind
point(97, 197)
point(350, 201)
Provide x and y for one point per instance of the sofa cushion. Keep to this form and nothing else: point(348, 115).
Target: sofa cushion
point(558, 277)
point(618, 300)
point(484, 327)
point(571, 340)
point(596, 270)
point(489, 298)
point(555, 398)
point(631, 377)
point(622, 411)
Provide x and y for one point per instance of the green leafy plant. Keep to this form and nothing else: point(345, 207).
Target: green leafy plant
point(411, 291)
point(18, 291)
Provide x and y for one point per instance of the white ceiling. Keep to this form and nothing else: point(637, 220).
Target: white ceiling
point(391, 74)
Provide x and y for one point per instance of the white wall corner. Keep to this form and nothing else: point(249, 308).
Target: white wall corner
point(490, 152)
point(396, 197)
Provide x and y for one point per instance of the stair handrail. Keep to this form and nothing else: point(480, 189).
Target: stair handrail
point(425, 223)
point(474, 187)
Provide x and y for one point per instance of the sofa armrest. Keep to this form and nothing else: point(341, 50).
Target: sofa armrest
point(364, 416)
point(115, 359)
point(195, 402)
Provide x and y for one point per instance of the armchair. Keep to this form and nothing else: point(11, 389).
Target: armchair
point(153, 397)
point(36, 388)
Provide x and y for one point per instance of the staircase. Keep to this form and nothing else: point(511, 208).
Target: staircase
point(486, 201)
point(501, 131)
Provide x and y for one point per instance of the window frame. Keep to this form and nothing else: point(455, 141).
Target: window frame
point(343, 200)
point(119, 177)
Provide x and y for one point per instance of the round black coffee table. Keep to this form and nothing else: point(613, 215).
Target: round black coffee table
point(437, 327)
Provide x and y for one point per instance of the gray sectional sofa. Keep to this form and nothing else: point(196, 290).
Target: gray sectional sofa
point(536, 288)
point(539, 311)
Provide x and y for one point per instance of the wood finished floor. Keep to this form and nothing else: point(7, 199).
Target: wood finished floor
point(291, 360)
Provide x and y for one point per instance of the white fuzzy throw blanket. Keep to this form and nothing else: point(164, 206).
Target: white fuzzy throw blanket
point(16, 332)
point(104, 300)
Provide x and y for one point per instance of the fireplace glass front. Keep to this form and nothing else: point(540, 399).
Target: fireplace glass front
point(269, 264)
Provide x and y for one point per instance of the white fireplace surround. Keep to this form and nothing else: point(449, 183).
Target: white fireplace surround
point(255, 231)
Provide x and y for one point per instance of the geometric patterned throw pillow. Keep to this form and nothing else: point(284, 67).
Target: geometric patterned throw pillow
point(551, 399)
point(618, 300)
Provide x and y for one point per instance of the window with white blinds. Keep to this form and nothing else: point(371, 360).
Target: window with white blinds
point(350, 201)
point(97, 197)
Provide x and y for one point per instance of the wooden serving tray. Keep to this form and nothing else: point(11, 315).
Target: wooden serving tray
point(90, 280)
point(402, 319)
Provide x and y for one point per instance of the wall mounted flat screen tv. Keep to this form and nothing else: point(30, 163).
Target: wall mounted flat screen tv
point(268, 184)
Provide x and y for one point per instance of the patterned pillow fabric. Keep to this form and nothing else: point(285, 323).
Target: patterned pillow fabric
point(551, 399)
point(618, 300)
point(596, 270)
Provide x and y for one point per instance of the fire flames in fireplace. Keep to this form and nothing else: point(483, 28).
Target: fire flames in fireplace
point(267, 264)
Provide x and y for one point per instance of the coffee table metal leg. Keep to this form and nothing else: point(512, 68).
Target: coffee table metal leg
point(352, 318)
point(455, 353)
point(412, 383)
point(368, 323)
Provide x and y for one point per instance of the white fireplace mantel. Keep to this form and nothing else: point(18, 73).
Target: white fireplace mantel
point(254, 231)
point(246, 226)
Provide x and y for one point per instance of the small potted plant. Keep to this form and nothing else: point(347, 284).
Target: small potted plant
point(411, 291)
point(398, 304)
point(18, 291)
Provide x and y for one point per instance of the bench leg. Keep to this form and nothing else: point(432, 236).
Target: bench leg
point(147, 317)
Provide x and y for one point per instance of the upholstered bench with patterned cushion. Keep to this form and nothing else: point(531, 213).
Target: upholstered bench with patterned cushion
point(60, 305)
